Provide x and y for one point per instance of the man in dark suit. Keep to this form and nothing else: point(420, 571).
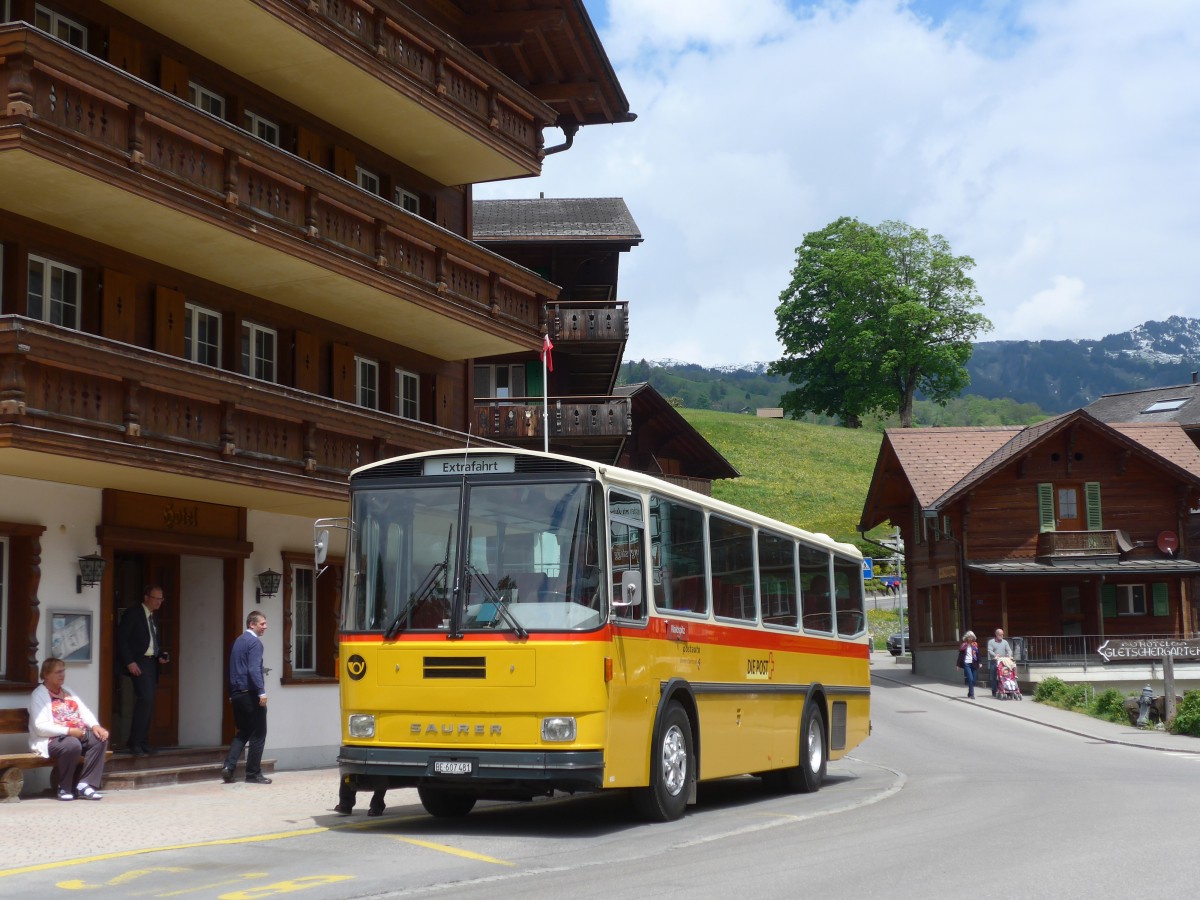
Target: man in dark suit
point(248, 695)
point(140, 652)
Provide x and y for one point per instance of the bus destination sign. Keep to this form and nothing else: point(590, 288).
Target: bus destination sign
point(467, 465)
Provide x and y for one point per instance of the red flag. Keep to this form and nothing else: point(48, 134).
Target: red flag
point(546, 357)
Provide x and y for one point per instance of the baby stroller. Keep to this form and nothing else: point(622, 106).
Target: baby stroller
point(1006, 679)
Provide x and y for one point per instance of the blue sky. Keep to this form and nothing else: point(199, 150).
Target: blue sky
point(1054, 141)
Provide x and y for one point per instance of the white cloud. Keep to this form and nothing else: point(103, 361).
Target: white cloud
point(1041, 137)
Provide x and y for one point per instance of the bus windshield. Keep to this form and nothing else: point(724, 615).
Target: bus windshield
point(461, 557)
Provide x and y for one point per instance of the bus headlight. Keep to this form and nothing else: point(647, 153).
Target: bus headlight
point(362, 726)
point(558, 728)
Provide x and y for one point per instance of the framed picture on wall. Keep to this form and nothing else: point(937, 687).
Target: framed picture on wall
point(71, 635)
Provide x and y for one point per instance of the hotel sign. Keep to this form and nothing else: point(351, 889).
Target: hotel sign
point(1149, 648)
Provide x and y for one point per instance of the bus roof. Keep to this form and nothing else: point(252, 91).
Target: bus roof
point(638, 480)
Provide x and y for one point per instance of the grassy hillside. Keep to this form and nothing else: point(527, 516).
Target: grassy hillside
point(813, 476)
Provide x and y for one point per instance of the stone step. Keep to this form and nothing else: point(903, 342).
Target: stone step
point(173, 766)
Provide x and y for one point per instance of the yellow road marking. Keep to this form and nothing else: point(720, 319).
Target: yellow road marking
point(215, 884)
point(219, 842)
point(78, 884)
point(454, 851)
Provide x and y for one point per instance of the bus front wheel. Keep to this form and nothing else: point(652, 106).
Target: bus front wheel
point(445, 804)
point(807, 777)
point(671, 768)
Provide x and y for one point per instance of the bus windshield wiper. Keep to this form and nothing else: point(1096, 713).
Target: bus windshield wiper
point(498, 602)
point(416, 600)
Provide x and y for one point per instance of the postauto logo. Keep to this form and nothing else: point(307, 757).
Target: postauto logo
point(356, 667)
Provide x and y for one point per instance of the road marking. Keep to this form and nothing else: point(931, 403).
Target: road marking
point(454, 851)
point(215, 884)
point(77, 884)
point(286, 887)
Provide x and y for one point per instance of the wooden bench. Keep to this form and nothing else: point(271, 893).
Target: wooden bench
point(12, 778)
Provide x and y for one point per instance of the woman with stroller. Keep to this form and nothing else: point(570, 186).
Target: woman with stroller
point(968, 661)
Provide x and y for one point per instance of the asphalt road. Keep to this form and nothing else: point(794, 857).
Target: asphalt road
point(945, 799)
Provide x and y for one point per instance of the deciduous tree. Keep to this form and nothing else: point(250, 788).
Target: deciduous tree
point(872, 316)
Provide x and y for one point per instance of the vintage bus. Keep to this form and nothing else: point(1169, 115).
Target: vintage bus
point(517, 623)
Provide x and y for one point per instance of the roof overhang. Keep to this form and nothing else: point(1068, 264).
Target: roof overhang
point(1125, 568)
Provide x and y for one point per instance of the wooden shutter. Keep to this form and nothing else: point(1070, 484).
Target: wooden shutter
point(305, 365)
point(173, 77)
point(125, 52)
point(118, 309)
point(168, 321)
point(1162, 606)
point(1108, 601)
point(443, 402)
point(1046, 506)
point(342, 380)
point(343, 164)
point(1091, 493)
point(308, 146)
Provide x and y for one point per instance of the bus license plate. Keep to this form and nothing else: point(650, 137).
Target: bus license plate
point(453, 767)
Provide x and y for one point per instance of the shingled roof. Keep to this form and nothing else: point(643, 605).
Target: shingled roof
point(585, 219)
point(1132, 406)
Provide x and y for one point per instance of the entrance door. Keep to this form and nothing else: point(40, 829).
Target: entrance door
point(133, 571)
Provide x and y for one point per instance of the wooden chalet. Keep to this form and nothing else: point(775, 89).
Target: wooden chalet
point(577, 245)
point(1066, 533)
point(236, 261)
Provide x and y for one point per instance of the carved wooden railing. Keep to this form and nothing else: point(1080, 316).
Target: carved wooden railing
point(417, 54)
point(74, 394)
point(1075, 544)
point(569, 417)
point(589, 321)
point(155, 144)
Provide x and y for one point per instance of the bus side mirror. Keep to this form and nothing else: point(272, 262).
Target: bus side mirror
point(631, 590)
point(321, 546)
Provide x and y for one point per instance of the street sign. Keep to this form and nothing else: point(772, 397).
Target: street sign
point(868, 568)
point(1150, 648)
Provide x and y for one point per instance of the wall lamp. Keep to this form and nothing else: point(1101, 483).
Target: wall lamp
point(91, 570)
point(268, 584)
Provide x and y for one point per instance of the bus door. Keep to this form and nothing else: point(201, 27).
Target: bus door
point(632, 701)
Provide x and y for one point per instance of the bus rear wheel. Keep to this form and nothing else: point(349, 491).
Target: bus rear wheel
point(446, 804)
point(671, 768)
point(807, 777)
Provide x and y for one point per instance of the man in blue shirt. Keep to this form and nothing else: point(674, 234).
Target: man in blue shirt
point(248, 695)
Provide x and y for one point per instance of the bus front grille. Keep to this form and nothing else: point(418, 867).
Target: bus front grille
point(455, 667)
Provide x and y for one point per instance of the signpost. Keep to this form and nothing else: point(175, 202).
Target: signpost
point(1149, 648)
point(868, 568)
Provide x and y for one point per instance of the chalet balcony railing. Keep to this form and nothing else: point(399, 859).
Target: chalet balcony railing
point(1075, 651)
point(590, 321)
point(1073, 545)
point(520, 418)
point(74, 394)
point(152, 143)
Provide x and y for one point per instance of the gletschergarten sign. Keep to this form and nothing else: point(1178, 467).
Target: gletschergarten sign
point(1149, 648)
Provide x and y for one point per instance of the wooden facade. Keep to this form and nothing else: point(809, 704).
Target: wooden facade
point(236, 262)
point(1072, 528)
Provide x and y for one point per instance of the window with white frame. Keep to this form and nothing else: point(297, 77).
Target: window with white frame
point(500, 382)
point(262, 128)
point(408, 201)
point(204, 99)
point(366, 179)
point(201, 335)
point(366, 382)
point(304, 620)
point(3, 604)
point(54, 291)
point(259, 351)
point(1131, 599)
point(57, 24)
point(408, 395)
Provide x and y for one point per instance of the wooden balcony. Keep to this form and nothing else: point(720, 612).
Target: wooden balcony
point(589, 427)
point(375, 70)
point(81, 409)
point(1075, 546)
point(86, 148)
point(589, 337)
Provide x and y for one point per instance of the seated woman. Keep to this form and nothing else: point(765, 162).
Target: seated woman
point(62, 728)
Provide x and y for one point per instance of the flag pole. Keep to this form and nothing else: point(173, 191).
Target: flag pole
point(545, 400)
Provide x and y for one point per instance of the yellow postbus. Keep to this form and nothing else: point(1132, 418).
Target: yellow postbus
point(517, 623)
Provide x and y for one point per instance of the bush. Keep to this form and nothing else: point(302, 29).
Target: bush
point(1187, 719)
point(1075, 696)
point(1050, 690)
point(1109, 706)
